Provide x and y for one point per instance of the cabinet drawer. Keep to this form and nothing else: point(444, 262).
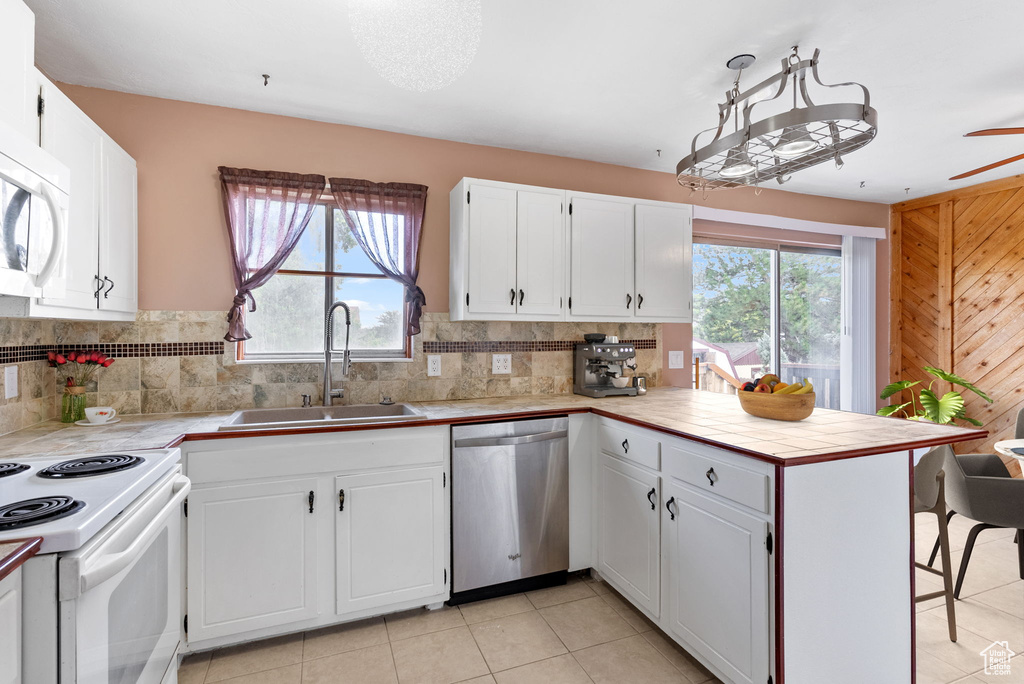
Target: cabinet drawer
point(629, 445)
point(743, 486)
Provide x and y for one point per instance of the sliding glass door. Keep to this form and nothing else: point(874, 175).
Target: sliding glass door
point(767, 308)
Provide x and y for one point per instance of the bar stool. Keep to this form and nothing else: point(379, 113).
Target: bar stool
point(930, 497)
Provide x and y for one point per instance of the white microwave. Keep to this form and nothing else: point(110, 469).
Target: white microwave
point(33, 218)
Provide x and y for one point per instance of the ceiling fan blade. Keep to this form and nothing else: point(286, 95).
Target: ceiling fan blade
point(994, 131)
point(988, 167)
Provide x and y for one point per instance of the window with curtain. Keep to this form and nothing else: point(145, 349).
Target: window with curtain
point(326, 265)
point(768, 308)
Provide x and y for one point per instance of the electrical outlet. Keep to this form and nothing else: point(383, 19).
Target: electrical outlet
point(10, 382)
point(501, 364)
point(433, 365)
point(675, 359)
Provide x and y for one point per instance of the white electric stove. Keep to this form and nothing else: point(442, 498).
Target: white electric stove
point(66, 501)
point(102, 600)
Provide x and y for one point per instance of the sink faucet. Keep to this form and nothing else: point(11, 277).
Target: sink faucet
point(331, 394)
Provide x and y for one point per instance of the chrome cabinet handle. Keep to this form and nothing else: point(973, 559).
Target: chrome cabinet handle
point(341, 499)
point(625, 445)
point(639, 301)
point(99, 286)
point(629, 300)
point(649, 495)
point(512, 301)
point(521, 295)
point(311, 497)
point(668, 506)
point(109, 289)
point(712, 476)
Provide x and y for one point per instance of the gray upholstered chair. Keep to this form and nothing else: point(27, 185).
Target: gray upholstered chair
point(929, 497)
point(979, 487)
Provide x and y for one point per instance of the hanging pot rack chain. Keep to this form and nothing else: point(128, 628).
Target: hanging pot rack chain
point(837, 129)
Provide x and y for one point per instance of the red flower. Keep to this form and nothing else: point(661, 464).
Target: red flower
point(61, 360)
point(101, 358)
point(72, 356)
point(94, 357)
point(81, 358)
point(51, 356)
point(71, 382)
point(106, 364)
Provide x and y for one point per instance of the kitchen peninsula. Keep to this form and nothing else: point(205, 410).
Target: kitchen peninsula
point(771, 546)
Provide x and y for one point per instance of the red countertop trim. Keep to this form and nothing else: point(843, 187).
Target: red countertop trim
point(13, 560)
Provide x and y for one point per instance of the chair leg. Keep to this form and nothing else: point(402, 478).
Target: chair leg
point(1020, 553)
point(935, 549)
point(947, 574)
point(968, 548)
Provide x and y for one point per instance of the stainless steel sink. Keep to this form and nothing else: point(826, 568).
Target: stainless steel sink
point(312, 416)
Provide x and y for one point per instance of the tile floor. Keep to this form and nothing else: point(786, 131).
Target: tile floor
point(584, 632)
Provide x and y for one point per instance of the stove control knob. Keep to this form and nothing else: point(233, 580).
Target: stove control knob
point(615, 354)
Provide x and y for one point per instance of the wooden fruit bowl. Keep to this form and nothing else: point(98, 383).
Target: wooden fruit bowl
point(777, 406)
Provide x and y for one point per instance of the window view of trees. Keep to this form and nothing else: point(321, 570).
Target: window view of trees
point(732, 288)
point(289, 319)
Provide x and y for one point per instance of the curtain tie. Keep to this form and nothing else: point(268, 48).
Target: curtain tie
point(415, 295)
point(238, 304)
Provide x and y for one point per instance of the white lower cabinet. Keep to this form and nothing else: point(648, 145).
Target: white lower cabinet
point(252, 557)
point(10, 628)
point(717, 573)
point(629, 538)
point(391, 530)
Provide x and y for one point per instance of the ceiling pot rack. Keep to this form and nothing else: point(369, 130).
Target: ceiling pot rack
point(836, 129)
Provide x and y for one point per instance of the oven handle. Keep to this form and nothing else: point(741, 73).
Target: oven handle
point(57, 246)
point(108, 566)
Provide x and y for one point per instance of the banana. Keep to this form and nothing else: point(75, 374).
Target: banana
point(791, 388)
point(807, 388)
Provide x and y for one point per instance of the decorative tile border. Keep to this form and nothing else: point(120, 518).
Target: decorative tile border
point(503, 346)
point(37, 352)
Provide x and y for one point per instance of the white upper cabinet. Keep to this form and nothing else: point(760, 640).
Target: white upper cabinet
point(100, 270)
point(119, 231)
point(540, 253)
point(18, 92)
point(526, 253)
point(664, 251)
point(602, 259)
point(508, 250)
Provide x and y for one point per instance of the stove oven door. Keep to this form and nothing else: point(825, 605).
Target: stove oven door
point(120, 607)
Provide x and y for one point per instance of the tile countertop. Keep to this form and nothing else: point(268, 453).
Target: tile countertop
point(714, 419)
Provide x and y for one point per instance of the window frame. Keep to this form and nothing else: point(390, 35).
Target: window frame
point(329, 274)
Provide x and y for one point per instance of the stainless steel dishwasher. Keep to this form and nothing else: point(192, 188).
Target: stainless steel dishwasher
point(510, 507)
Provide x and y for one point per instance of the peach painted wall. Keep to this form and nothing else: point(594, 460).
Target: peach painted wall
point(183, 246)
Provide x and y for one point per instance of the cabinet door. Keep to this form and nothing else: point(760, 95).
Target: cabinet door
point(70, 136)
point(10, 628)
point(718, 575)
point(540, 253)
point(492, 250)
point(602, 259)
point(391, 537)
point(118, 243)
point(663, 254)
point(252, 557)
point(629, 538)
point(18, 89)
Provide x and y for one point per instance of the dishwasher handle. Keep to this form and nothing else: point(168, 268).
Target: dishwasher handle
point(508, 441)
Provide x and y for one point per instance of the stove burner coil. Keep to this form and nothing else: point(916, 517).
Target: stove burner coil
point(91, 465)
point(37, 511)
point(12, 469)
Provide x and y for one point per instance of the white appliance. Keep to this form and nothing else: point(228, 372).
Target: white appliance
point(33, 218)
point(103, 598)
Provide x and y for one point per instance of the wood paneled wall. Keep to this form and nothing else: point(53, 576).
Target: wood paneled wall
point(957, 296)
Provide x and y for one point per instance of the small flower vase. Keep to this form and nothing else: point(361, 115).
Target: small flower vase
point(72, 405)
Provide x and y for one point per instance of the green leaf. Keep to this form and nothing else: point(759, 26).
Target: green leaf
point(956, 380)
point(889, 410)
point(972, 421)
point(897, 387)
point(942, 410)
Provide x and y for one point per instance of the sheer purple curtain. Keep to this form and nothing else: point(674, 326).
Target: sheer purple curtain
point(266, 213)
point(386, 220)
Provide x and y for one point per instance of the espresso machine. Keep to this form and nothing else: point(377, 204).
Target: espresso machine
point(598, 366)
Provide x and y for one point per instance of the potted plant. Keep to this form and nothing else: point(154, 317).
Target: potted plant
point(928, 405)
point(74, 371)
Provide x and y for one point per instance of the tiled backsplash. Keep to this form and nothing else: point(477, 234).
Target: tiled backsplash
point(170, 361)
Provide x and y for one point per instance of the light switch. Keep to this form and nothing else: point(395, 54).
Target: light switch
point(10, 382)
point(675, 359)
point(433, 365)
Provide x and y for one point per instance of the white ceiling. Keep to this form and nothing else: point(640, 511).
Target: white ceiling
point(603, 80)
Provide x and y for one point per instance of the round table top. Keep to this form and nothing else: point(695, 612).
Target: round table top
point(1006, 445)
